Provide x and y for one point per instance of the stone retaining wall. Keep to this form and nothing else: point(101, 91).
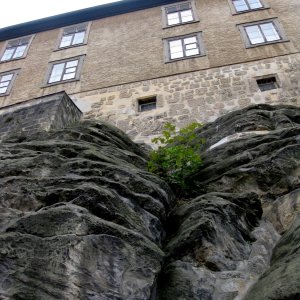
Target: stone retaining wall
point(44, 113)
point(196, 96)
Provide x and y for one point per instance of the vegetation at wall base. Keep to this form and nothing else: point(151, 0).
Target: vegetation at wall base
point(178, 156)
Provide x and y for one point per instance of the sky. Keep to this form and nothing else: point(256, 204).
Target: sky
point(19, 11)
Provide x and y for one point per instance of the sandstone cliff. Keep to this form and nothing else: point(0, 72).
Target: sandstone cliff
point(81, 218)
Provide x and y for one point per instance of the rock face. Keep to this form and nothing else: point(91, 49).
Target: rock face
point(281, 281)
point(218, 245)
point(81, 218)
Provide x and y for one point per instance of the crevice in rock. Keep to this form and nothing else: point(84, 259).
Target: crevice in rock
point(78, 208)
point(217, 251)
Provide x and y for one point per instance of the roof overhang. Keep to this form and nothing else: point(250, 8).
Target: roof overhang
point(79, 16)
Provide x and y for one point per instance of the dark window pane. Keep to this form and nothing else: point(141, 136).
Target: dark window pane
point(185, 6)
point(172, 9)
point(266, 84)
point(147, 104)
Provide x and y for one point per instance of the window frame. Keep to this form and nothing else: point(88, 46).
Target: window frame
point(15, 73)
point(167, 52)
point(277, 82)
point(146, 100)
point(56, 62)
point(64, 29)
point(235, 12)
point(165, 17)
point(277, 25)
point(6, 46)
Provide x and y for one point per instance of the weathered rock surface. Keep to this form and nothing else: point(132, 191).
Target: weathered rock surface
point(215, 250)
point(217, 245)
point(281, 281)
point(284, 210)
point(81, 218)
point(267, 164)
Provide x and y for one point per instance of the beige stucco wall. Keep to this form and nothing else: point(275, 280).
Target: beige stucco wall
point(129, 48)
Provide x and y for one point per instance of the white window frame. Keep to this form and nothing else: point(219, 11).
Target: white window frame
point(14, 74)
point(65, 70)
point(277, 26)
point(14, 45)
point(72, 31)
point(181, 38)
point(235, 12)
point(165, 13)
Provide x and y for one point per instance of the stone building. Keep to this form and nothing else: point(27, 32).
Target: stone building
point(139, 64)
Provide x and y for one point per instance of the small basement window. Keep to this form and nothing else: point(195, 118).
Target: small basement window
point(146, 104)
point(268, 83)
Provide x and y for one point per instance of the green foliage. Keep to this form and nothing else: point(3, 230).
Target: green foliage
point(178, 155)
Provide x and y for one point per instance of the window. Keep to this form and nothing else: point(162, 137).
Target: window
point(268, 83)
point(263, 32)
point(16, 48)
point(184, 47)
point(6, 81)
point(146, 104)
point(65, 70)
point(74, 35)
point(244, 5)
point(180, 13)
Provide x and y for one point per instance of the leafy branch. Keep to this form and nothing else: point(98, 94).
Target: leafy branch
point(177, 156)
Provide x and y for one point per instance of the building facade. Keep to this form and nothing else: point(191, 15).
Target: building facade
point(139, 65)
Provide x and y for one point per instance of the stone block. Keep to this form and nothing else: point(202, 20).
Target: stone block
point(194, 85)
point(183, 117)
point(35, 115)
point(201, 91)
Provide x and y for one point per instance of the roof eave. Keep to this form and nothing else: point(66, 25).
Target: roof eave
point(79, 16)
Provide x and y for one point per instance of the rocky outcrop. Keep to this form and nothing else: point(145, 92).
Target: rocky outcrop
point(218, 243)
point(281, 281)
point(81, 218)
point(282, 212)
point(263, 159)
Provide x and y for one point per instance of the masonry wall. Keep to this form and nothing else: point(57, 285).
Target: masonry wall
point(42, 114)
point(195, 96)
point(128, 48)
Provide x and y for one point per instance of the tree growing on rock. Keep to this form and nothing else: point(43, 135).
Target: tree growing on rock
point(177, 156)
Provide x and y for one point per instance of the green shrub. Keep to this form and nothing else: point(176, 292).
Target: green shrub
point(177, 156)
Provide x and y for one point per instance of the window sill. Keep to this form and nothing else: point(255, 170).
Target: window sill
point(272, 91)
point(267, 43)
point(180, 24)
point(250, 10)
point(138, 112)
point(59, 82)
point(68, 47)
point(14, 59)
point(184, 58)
